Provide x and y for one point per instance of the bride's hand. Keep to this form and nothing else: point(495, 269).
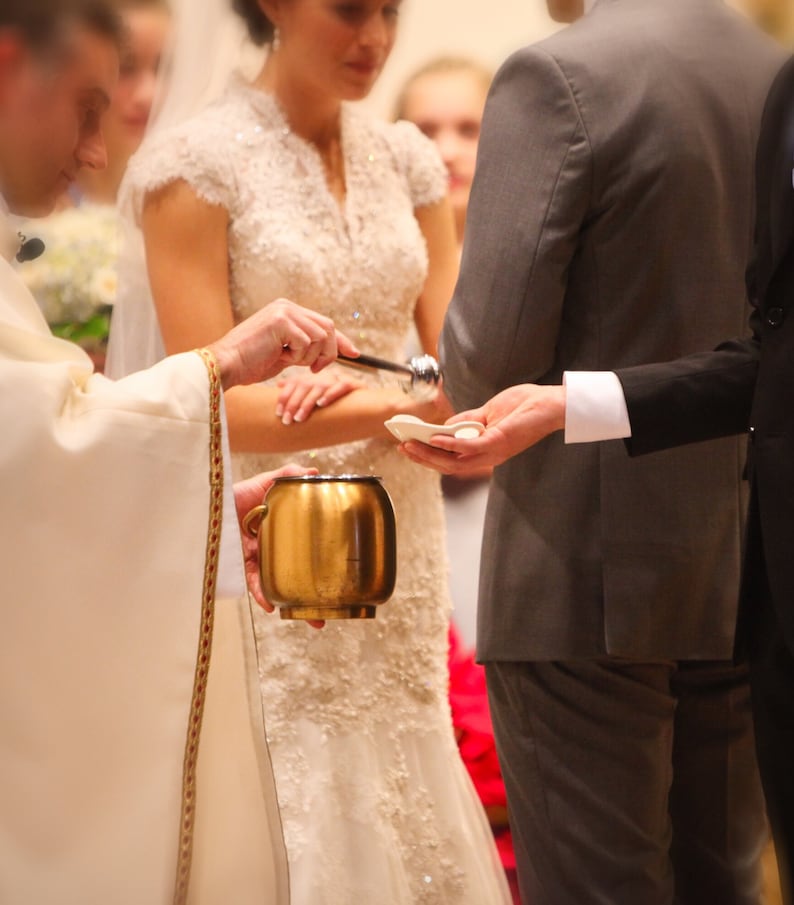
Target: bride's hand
point(247, 496)
point(299, 396)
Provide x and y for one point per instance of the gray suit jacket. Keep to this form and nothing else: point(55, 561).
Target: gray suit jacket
point(610, 225)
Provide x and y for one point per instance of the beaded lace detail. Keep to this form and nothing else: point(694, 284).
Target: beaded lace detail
point(375, 802)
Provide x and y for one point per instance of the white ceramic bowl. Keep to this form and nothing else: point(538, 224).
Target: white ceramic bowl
point(409, 427)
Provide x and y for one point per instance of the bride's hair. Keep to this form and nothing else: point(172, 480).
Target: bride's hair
point(260, 28)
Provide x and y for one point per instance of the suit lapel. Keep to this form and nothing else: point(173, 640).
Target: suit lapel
point(775, 166)
point(781, 202)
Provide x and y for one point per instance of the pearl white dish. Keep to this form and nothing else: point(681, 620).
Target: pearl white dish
point(409, 427)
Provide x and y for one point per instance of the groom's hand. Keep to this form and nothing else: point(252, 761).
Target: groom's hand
point(277, 336)
point(248, 495)
point(514, 420)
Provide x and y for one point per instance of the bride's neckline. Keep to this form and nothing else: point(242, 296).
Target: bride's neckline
point(267, 105)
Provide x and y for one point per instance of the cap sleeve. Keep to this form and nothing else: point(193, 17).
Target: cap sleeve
point(420, 163)
point(195, 152)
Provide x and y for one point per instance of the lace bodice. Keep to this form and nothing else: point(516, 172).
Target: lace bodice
point(350, 709)
point(288, 234)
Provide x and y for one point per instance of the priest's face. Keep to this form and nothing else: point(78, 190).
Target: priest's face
point(51, 109)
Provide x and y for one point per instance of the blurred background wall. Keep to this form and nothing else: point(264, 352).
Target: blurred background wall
point(488, 30)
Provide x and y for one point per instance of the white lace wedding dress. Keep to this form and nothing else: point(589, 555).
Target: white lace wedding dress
point(376, 804)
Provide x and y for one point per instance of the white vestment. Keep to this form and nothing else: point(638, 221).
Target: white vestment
point(106, 555)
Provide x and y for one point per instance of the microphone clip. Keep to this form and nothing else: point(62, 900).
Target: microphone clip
point(29, 249)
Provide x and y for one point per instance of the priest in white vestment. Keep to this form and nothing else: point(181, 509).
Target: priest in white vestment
point(133, 764)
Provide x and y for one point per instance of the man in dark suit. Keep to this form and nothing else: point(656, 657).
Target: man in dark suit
point(614, 181)
point(744, 385)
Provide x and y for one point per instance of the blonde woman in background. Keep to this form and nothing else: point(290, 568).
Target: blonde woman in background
point(446, 100)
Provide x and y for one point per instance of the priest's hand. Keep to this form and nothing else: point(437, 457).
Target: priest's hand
point(247, 495)
point(277, 336)
point(514, 420)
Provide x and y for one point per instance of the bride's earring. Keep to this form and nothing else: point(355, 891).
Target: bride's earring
point(275, 44)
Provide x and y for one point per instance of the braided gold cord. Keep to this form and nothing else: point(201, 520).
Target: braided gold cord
point(204, 653)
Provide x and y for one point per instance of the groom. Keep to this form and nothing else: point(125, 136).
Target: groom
point(132, 766)
point(610, 223)
point(745, 385)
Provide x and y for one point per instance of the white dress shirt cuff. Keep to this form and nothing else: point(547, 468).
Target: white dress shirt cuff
point(595, 407)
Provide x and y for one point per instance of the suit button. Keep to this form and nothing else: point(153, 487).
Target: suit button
point(775, 317)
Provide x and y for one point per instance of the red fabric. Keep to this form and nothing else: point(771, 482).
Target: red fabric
point(471, 718)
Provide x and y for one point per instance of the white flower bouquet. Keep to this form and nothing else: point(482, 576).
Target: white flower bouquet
point(75, 280)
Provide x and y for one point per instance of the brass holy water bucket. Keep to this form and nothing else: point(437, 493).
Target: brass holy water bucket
point(327, 546)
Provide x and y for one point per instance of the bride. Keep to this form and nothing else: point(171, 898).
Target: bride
point(281, 188)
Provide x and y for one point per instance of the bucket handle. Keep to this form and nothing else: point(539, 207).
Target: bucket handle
point(257, 515)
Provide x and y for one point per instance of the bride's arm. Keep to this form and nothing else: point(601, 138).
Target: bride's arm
point(303, 396)
point(187, 259)
point(438, 228)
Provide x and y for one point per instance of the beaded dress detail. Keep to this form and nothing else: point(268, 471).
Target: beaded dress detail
point(376, 804)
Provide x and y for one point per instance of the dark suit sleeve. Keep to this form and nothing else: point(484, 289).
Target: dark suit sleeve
point(700, 397)
point(530, 196)
point(707, 396)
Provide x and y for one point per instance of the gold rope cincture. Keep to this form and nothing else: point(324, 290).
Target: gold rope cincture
point(188, 815)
